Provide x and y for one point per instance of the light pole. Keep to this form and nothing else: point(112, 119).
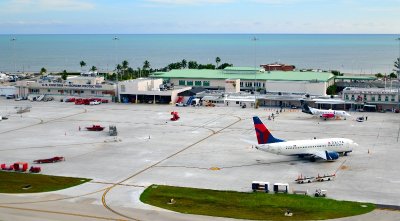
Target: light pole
point(255, 69)
point(115, 39)
point(398, 77)
point(13, 39)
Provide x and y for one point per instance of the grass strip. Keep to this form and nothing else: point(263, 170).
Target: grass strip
point(15, 182)
point(254, 206)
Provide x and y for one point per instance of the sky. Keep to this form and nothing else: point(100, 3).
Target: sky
point(199, 16)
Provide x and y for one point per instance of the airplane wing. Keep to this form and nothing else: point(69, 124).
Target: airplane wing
point(321, 154)
point(326, 155)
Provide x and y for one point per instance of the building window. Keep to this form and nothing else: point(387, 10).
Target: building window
point(181, 82)
point(197, 83)
point(93, 92)
point(34, 91)
point(365, 97)
point(190, 83)
point(263, 84)
point(352, 97)
point(379, 98)
point(206, 83)
point(393, 98)
point(386, 98)
point(123, 89)
point(249, 84)
point(241, 84)
point(48, 90)
point(373, 97)
point(346, 97)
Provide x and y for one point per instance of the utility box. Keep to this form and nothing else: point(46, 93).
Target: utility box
point(281, 187)
point(260, 186)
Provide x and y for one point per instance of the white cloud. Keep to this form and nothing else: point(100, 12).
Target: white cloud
point(46, 5)
point(188, 2)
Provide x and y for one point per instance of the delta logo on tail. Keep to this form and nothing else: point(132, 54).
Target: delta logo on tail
point(327, 149)
point(263, 134)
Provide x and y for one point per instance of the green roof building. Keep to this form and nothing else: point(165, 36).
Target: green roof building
point(313, 83)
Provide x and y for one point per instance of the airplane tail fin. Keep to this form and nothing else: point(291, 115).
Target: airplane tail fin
point(263, 134)
point(305, 108)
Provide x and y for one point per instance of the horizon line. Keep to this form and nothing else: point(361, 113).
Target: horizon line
point(228, 33)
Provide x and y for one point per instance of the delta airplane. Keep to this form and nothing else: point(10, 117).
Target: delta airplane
point(324, 113)
point(327, 149)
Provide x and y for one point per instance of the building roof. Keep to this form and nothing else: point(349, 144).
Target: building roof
point(356, 77)
point(370, 90)
point(241, 69)
point(268, 76)
point(192, 92)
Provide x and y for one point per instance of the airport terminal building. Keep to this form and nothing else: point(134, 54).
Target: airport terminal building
point(295, 82)
point(85, 85)
point(373, 99)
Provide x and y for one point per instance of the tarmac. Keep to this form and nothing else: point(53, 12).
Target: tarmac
point(206, 148)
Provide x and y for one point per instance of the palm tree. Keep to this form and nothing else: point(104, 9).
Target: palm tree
point(43, 71)
point(82, 64)
point(146, 65)
point(184, 63)
point(217, 60)
point(397, 65)
point(118, 68)
point(193, 65)
point(93, 68)
point(125, 66)
point(64, 75)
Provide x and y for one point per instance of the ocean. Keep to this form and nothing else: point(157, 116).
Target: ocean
point(356, 54)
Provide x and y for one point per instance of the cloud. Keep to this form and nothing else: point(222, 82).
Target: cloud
point(187, 2)
point(46, 5)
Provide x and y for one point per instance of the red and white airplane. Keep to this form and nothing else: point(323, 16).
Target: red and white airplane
point(326, 114)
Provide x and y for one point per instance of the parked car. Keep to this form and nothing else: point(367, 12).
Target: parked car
point(10, 96)
point(94, 102)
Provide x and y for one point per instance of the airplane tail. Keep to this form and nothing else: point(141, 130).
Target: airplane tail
point(263, 134)
point(305, 108)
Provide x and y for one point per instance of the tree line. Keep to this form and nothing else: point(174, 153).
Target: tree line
point(123, 71)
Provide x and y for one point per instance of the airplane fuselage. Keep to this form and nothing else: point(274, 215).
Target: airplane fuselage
point(309, 147)
point(329, 113)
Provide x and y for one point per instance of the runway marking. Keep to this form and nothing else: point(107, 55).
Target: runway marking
point(61, 213)
point(58, 199)
point(120, 184)
point(231, 167)
point(42, 122)
point(57, 145)
point(103, 198)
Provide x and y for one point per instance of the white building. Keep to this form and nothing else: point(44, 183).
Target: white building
point(381, 98)
point(145, 90)
point(79, 86)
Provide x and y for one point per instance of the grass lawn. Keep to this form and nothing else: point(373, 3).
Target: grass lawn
point(14, 182)
point(255, 206)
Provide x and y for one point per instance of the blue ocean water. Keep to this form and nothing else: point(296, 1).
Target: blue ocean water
point(358, 54)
